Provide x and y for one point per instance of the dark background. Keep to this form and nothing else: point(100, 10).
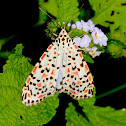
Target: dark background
point(17, 19)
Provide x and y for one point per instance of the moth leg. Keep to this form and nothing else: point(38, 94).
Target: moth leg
point(53, 39)
point(53, 33)
point(80, 35)
point(70, 32)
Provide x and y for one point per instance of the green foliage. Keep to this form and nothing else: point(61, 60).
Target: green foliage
point(42, 17)
point(12, 111)
point(115, 49)
point(63, 15)
point(109, 13)
point(119, 36)
point(87, 58)
point(76, 32)
point(117, 45)
point(99, 116)
point(74, 118)
point(2, 42)
point(124, 52)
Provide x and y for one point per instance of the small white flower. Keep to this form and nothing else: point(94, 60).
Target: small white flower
point(73, 26)
point(85, 26)
point(69, 24)
point(79, 25)
point(123, 109)
point(63, 22)
point(85, 40)
point(99, 37)
point(77, 40)
point(93, 50)
point(91, 25)
point(87, 49)
point(94, 53)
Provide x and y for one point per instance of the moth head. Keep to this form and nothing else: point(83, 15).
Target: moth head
point(63, 33)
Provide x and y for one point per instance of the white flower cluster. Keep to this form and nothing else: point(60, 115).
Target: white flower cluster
point(123, 109)
point(92, 51)
point(97, 36)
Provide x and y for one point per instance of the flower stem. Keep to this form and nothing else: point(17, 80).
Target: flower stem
point(111, 91)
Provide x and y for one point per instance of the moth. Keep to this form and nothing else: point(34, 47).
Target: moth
point(61, 68)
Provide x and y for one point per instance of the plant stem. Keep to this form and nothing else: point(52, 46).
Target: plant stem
point(111, 91)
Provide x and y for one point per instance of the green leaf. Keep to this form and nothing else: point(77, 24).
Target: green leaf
point(67, 9)
point(63, 16)
point(88, 58)
point(59, 9)
point(119, 36)
point(115, 49)
point(124, 52)
point(42, 16)
point(99, 116)
point(74, 118)
point(109, 13)
point(2, 42)
point(5, 54)
point(52, 7)
point(76, 32)
point(108, 116)
point(12, 111)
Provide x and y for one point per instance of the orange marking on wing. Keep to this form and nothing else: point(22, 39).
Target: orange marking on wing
point(74, 63)
point(68, 70)
point(34, 69)
point(44, 75)
point(80, 55)
point(55, 52)
point(78, 82)
point(90, 86)
point(28, 80)
point(48, 64)
point(90, 78)
point(50, 90)
point(52, 72)
point(50, 83)
point(49, 47)
point(29, 95)
point(25, 89)
point(75, 46)
point(75, 73)
point(73, 92)
point(86, 91)
point(40, 96)
point(43, 56)
point(69, 51)
point(67, 80)
point(39, 85)
point(86, 67)
point(68, 60)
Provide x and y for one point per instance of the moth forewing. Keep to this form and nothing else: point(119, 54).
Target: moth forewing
point(61, 68)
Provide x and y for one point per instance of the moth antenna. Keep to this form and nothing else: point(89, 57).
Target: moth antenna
point(49, 16)
point(76, 13)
